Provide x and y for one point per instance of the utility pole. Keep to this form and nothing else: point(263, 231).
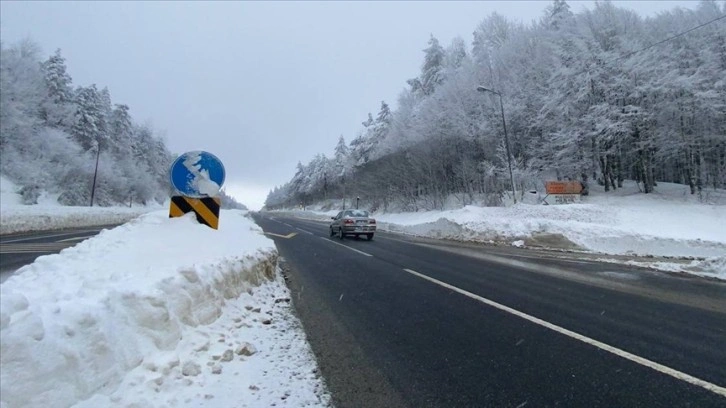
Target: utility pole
point(506, 138)
point(95, 172)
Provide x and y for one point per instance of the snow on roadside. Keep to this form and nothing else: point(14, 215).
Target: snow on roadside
point(669, 223)
point(38, 218)
point(49, 215)
point(157, 312)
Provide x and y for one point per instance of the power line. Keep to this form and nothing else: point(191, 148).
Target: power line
point(584, 70)
point(671, 38)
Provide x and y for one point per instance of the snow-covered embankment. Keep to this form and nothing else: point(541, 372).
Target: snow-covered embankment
point(156, 312)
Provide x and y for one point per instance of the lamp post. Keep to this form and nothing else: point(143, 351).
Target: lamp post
point(95, 172)
point(356, 202)
point(344, 190)
point(506, 138)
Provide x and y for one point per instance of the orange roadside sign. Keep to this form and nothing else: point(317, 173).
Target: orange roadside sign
point(563, 187)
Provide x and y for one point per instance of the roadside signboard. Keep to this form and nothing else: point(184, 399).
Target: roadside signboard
point(205, 209)
point(562, 192)
point(197, 174)
point(563, 187)
point(556, 199)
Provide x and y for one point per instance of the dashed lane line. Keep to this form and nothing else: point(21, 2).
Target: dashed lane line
point(346, 246)
point(614, 350)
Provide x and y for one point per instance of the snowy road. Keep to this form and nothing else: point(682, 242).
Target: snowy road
point(409, 322)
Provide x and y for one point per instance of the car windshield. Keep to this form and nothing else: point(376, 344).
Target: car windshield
point(356, 213)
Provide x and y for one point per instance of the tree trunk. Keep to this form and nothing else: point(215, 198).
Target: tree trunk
point(649, 179)
point(645, 172)
point(688, 170)
point(604, 166)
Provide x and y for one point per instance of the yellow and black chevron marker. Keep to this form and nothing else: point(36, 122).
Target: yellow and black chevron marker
point(206, 209)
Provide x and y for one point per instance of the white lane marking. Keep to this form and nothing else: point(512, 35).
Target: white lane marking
point(346, 246)
point(284, 223)
point(305, 231)
point(618, 352)
point(9, 241)
point(288, 236)
point(47, 247)
point(73, 239)
point(31, 250)
point(37, 245)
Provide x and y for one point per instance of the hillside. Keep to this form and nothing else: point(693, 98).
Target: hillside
point(73, 146)
point(64, 140)
point(600, 96)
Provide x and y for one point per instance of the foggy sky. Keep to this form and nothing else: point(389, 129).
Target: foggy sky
point(262, 85)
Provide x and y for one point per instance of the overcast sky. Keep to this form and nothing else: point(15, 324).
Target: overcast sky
point(262, 85)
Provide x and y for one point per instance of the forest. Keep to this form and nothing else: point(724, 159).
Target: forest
point(600, 96)
point(52, 134)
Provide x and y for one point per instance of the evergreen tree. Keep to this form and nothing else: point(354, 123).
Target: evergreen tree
point(557, 14)
point(57, 80)
point(90, 128)
point(431, 71)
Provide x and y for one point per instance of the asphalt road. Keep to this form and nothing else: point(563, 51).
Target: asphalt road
point(404, 322)
point(18, 250)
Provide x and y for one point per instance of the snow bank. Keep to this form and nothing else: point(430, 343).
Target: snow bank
point(146, 314)
point(49, 215)
point(40, 218)
point(599, 228)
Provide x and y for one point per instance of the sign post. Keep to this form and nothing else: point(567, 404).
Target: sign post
point(562, 192)
point(198, 177)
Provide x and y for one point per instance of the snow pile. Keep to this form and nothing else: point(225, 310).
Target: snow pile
point(712, 267)
point(611, 229)
point(48, 214)
point(157, 312)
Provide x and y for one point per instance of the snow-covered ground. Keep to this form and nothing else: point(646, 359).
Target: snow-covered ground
point(157, 312)
point(48, 214)
point(667, 224)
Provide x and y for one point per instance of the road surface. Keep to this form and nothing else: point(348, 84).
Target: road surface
point(406, 322)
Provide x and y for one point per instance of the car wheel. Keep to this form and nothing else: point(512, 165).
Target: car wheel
point(370, 237)
point(331, 231)
point(340, 233)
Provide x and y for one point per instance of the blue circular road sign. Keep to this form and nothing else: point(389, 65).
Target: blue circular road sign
point(197, 174)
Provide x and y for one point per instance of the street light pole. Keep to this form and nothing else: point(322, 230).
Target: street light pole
point(95, 172)
point(506, 138)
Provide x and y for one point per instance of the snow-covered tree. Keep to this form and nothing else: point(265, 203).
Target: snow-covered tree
point(340, 157)
point(121, 130)
point(90, 129)
point(601, 94)
point(431, 71)
point(57, 109)
point(48, 136)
